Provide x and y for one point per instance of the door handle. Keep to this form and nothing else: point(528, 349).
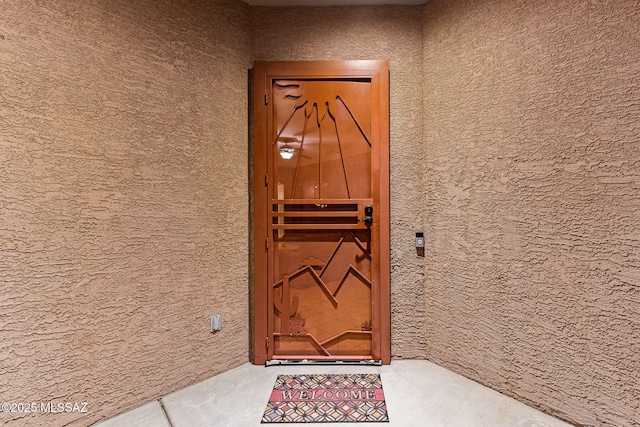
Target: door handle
point(368, 215)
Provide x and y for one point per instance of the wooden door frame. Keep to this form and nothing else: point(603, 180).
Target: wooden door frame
point(378, 73)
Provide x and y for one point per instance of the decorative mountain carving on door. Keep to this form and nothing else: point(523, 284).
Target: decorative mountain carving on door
point(323, 307)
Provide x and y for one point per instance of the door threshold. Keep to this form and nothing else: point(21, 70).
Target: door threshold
point(368, 362)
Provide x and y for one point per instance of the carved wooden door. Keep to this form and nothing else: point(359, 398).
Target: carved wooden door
point(321, 221)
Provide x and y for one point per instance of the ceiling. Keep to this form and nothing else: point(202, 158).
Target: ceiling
point(328, 2)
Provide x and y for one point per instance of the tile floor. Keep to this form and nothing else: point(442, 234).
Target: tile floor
point(417, 392)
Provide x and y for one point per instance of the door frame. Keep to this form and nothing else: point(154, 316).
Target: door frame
point(264, 72)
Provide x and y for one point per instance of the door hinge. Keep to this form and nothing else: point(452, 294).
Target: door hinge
point(266, 98)
point(266, 243)
point(268, 343)
point(266, 180)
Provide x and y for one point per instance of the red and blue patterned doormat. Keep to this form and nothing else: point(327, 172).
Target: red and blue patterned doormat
point(326, 398)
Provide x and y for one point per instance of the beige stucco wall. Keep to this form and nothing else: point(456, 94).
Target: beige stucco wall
point(531, 141)
point(123, 200)
point(123, 193)
point(382, 32)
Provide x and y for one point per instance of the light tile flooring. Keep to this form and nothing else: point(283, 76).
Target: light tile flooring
point(417, 392)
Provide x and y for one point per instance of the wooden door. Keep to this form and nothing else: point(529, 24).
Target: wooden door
point(321, 226)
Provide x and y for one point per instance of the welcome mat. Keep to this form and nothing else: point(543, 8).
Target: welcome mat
point(326, 398)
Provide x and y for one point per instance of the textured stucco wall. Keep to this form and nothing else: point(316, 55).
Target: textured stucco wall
point(123, 207)
point(123, 193)
point(381, 32)
point(531, 126)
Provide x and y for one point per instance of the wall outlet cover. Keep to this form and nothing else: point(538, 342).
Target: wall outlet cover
point(216, 322)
